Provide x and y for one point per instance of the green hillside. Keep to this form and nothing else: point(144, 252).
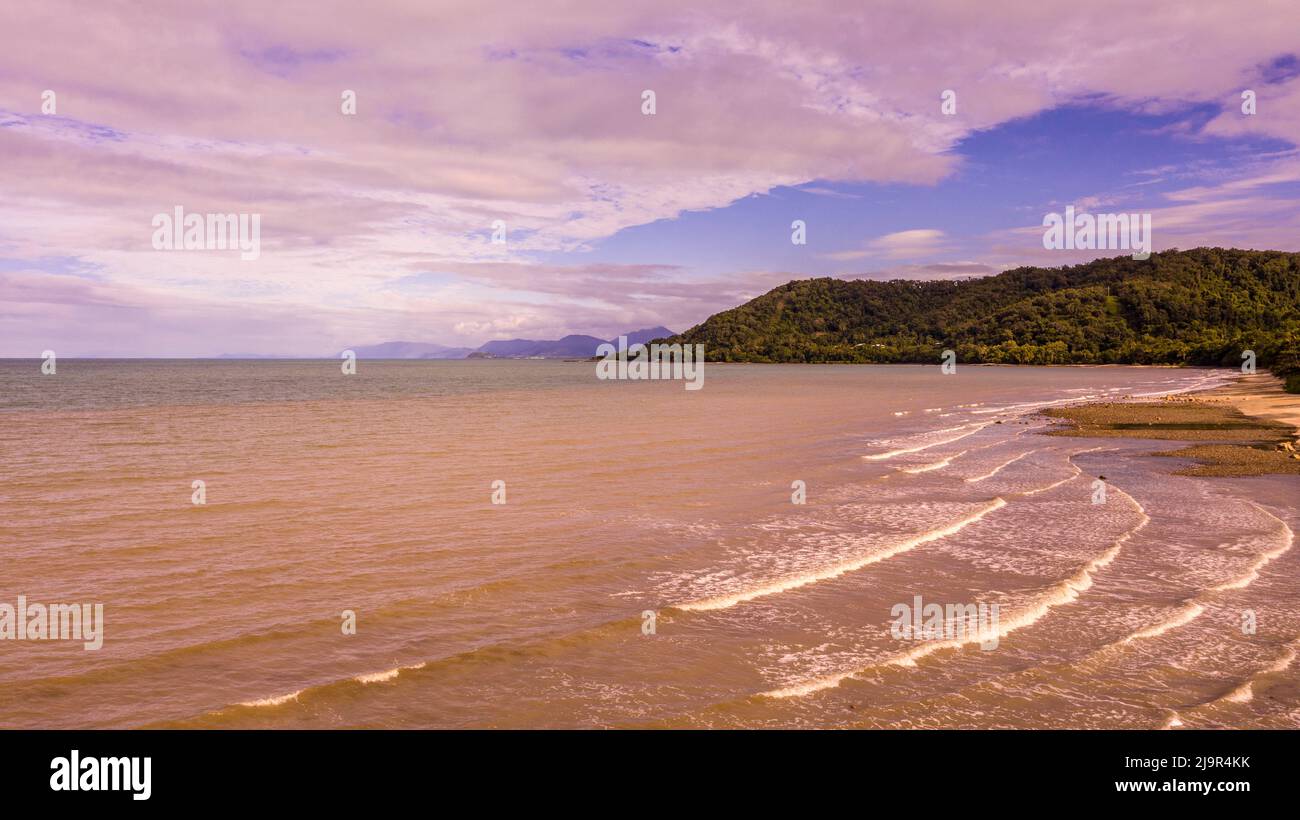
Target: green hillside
point(1202, 306)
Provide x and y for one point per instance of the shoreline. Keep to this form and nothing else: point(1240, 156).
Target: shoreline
point(1262, 396)
point(1250, 427)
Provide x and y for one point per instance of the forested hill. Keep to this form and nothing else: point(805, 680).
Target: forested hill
point(1202, 306)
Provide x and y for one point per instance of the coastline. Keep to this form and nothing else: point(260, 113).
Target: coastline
point(1250, 427)
point(1261, 395)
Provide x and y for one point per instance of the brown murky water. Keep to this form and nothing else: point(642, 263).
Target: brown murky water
point(373, 493)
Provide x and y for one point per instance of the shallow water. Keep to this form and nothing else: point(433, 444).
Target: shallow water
point(372, 493)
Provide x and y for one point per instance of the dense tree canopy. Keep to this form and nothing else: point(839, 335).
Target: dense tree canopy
point(1203, 306)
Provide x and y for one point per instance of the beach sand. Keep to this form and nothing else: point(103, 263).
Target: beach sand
point(1261, 395)
point(1248, 427)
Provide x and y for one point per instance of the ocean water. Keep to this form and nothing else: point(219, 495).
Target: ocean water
point(629, 505)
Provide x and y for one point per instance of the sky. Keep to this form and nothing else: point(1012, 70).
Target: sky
point(378, 225)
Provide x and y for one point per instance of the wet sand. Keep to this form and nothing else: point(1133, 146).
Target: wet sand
point(1261, 395)
point(1246, 428)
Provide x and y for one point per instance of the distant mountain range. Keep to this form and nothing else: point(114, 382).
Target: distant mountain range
point(570, 347)
point(411, 350)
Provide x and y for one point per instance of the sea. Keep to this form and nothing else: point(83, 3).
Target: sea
point(520, 544)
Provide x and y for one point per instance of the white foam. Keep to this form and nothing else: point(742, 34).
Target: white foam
point(836, 570)
point(970, 429)
point(386, 675)
point(1242, 694)
point(1185, 615)
point(938, 465)
point(1193, 609)
point(1000, 467)
point(1030, 405)
point(275, 701)
point(1077, 472)
point(1064, 592)
point(1252, 573)
point(1245, 693)
point(1283, 663)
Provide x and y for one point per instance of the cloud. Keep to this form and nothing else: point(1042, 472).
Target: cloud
point(818, 190)
point(897, 245)
point(1253, 210)
point(532, 114)
point(918, 242)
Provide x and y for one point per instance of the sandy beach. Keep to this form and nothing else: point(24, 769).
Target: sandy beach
point(1246, 428)
point(1261, 395)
